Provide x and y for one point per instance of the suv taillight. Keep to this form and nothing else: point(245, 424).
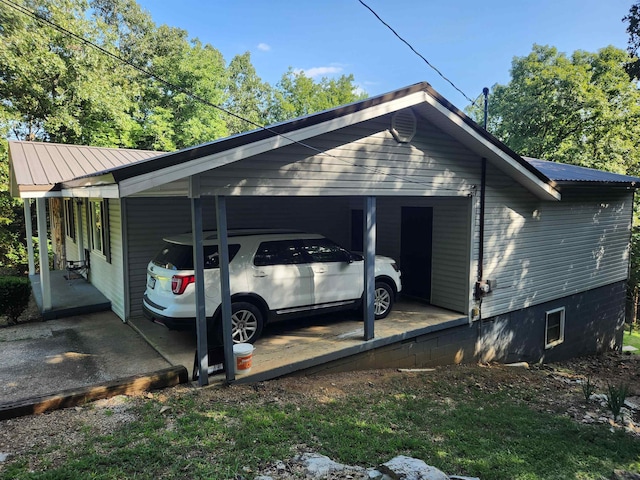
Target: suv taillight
point(180, 282)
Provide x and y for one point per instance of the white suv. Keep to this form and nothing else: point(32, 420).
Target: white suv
point(273, 275)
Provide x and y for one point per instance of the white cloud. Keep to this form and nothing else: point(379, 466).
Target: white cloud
point(359, 90)
point(320, 71)
point(264, 47)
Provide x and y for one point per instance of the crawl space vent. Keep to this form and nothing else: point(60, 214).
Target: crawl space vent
point(403, 126)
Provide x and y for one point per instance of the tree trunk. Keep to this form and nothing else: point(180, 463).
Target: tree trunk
point(57, 233)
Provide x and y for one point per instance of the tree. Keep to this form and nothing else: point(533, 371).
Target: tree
point(54, 87)
point(298, 95)
point(633, 29)
point(582, 109)
point(248, 98)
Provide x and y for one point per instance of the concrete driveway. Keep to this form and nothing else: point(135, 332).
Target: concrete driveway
point(44, 358)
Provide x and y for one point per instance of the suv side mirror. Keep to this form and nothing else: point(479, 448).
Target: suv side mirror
point(348, 257)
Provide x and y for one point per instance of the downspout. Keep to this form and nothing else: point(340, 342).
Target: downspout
point(483, 188)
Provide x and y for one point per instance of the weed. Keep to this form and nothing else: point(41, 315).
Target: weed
point(616, 397)
point(588, 388)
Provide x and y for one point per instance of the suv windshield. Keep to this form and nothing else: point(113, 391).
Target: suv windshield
point(174, 256)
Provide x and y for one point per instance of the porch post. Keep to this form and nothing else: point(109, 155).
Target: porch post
point(43, 252)
point(225, 290)
point(198, 266)
point(29, 234)
point(80, 228)
point(369, 266)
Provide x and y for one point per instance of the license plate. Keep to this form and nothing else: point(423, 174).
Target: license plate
point(151, 283)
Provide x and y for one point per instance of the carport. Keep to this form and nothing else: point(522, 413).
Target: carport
point(400, 174)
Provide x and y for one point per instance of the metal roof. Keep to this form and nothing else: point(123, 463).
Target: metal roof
point(563, 173)
point(41, 166)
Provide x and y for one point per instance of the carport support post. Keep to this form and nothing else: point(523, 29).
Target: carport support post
point(43, 252)
point(29, 234)
point(225, 289)
point(198, 264)
point(369, 266)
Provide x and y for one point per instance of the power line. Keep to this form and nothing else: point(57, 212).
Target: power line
point(190, 94)
point(416, 52)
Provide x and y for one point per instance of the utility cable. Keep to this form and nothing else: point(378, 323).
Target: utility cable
point(190, 94)
point(416, 52)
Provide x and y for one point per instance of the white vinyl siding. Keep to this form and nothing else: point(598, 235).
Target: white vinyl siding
point(109, 277)
point(538, 251)
point(362, 159)
point(71, 243)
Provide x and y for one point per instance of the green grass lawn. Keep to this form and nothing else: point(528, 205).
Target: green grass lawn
point(632, 338)
point(457, 425)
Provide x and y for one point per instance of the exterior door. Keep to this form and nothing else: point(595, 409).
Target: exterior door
point(415, 254)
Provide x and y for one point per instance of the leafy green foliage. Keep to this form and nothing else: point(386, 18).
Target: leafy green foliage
point(57, 88)
point(14, 296)
point(581, 110)
point(298, 95)
point(633, 29)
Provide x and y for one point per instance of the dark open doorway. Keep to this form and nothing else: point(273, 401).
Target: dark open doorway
point(415, 251)
point(357, 239)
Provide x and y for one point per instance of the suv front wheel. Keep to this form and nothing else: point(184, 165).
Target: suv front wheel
point(382, 300)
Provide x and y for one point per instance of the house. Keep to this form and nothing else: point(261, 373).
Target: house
point(533, 254)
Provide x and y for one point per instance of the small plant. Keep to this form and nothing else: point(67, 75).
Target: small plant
point(588, 387)
point(616, 397)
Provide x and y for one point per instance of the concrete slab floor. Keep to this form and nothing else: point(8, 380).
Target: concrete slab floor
point(43, 358)
point(294, 344)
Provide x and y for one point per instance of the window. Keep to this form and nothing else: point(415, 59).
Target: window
point(322, 250)
point(69, 219)
point(554, 331)
point(99, 227)
point(281, 252)
point(180, 257)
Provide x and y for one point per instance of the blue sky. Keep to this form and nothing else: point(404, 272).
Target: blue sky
point(470, 42)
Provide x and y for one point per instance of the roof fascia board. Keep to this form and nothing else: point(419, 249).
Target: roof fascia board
point(97, 191)
point(27, 193)
point(528, 179)
point(153, 179)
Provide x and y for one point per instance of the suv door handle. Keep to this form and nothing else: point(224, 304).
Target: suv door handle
point(319, 270)
point(259, 273)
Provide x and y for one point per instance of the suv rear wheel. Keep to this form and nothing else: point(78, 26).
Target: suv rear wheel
point(246, 322)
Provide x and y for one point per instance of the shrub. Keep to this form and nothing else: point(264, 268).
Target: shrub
point(14, 296)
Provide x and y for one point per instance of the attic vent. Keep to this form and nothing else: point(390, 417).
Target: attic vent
point(403, 126)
